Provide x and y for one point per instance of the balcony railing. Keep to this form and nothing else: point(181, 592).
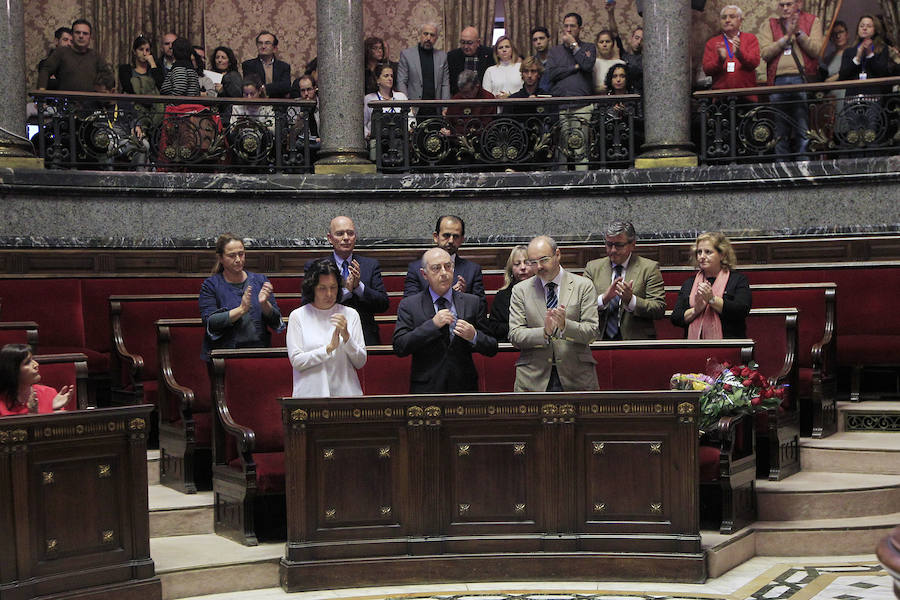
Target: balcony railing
point(173, 133)
point(833, 120)
point(587, 132)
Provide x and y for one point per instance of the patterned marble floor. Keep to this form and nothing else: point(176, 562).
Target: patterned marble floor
point(761, 578)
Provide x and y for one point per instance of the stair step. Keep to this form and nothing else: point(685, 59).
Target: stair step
point(824, 495)
point(175, 514)
point(196, 565)
point(852, 452)
point(152, 467)
point(873, 415)
point(822, 537)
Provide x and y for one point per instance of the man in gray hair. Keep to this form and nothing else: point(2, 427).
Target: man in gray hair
point(631, 293)
point(422, 73)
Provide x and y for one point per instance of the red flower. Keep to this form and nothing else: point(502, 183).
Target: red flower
point(727, 387)
point(768, 393)
point(726, 365)
point(745, 372)
point(756, 401)
point(746, 383)
point(780, 392)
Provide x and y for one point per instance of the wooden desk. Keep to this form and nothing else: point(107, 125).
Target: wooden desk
point(73, 506)
point(491, 487)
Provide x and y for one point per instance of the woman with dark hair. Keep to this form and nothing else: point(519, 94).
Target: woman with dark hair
point(868, 57)
point(517, 269)
point(225, 62)
point(238, 307)
point(20, 389)
point(141, 76)
point(181, 80)
point(714, 303)
point(324, 339)
point(619, 80)
point(385, 75)
point(376, 54)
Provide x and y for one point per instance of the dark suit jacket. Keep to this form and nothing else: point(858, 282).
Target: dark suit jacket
point(456, 63)
point(281, 76)
point(374, 299)
point(471, 272)
point(735, 306)
point(439, 364)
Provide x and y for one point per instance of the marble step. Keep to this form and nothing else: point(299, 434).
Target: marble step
point(173, 513)
point(822, 537)
point(852, 452)
point(824, 495)
point(197, 565)
point(152, 467)
point(874, 415)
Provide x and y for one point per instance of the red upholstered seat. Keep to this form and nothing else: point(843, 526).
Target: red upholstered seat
point(269, 471)
point(651, 369)
point(709, 463)
point(54, 304)
point(252, 389)
point(393, 303)
point(58, 374)
point(385, 373)
point(393, 283)
point(497, 373)
point(97, 362)
point(869, 349)
point(493, 281)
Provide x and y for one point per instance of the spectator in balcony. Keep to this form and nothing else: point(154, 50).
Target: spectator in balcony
point(204, 77)
point(441, 327)
point(142, 76)
point(869, 57)
point(181, 80)
point(384, 74)
point(324, 338)
point(503, 78)
point(121, 135)
point(606, 58)
point(540, 43)
point(840, 39)
point(20, 389)
point(225, 64)
point(790, 44)
point(376, 54)
point(531, 72)
point(714, 303)
point(275, 74)
point(63, 37)
point(470, 56)
point(168, 55)
point(517, 269)
point(422, 73)
point(305, 88)
point(633, 54)
point(466, 118)
point(238, 307)
point(731, 56)
point(449, 235)
point(75, 67)
point(263, 114)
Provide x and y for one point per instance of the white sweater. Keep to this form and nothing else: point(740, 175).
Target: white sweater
point(504, 79)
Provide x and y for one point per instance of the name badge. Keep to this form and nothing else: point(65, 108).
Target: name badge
point(863, 75)
point(729, 66)
point(787, 51)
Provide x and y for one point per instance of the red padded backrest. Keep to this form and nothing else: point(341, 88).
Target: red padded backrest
point(284, 284)
point(811, 322)
point(493, 281)
point(386, 330)
point(96, 292)
point(288, 304)
point(497, 373)
point(671, 298)
point(675, 276)
point(666, 331)
point(393, 303)
point(385, 373)
point(770, 335)
point(14, 336)
point(652, 368)
point(59, 374)
point(252, 389)
point(393, 283)
point(138, 320)
point(188, 366)
point(54, 304)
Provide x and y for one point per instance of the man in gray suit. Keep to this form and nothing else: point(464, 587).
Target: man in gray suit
point(422, 73)
point(552, 320)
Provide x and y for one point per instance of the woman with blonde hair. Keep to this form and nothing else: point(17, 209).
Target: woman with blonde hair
point(503, 78)
point(714, 303)
point(517, 270)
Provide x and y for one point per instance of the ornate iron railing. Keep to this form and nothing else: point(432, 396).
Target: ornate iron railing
point(813, 121)
point(173, 133)
point(511, 134)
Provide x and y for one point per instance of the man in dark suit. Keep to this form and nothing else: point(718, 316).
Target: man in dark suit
point(275, 74)
point(441, 327)
point(363, 287)
point(422, 71)
point(470, 56)
point(449, 234)
point(630, 288)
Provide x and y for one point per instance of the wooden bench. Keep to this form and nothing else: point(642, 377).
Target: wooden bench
point(58, 370)
point(19, 332)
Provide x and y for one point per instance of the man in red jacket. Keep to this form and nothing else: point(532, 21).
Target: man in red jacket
point(731, 56)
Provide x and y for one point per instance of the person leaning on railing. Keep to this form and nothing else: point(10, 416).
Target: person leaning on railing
point(731, 56)
point(143, 77)
point(384, 76)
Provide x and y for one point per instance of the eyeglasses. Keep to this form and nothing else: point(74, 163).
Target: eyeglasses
point(617, 245)
point(544, 260)
point(467, 42)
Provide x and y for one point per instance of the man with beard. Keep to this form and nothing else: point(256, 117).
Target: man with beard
point(449, 234)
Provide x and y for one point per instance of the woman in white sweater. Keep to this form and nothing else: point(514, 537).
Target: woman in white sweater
point(324, 339)
point(503, 78)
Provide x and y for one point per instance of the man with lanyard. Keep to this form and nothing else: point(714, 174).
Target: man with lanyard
point(790, 46)
point(731, 57)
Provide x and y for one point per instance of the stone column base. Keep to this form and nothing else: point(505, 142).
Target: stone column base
point(344, 163)
point(17, 153)
point(665, 161)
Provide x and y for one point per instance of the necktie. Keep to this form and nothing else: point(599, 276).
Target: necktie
point(552, 300)
point(345, 270)
point(612, 321)
point(443, 303)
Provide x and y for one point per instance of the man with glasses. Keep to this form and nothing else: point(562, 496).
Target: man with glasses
point(449, 234)
point(634, 294)
point(470, 56)
point(441, 327)
point(552, 321)
point(275, 74)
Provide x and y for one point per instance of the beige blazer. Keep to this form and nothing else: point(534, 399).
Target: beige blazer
point(571, 352)
point(649, 290)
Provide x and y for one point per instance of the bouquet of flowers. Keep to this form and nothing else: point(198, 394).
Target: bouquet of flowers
point(729, 390)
